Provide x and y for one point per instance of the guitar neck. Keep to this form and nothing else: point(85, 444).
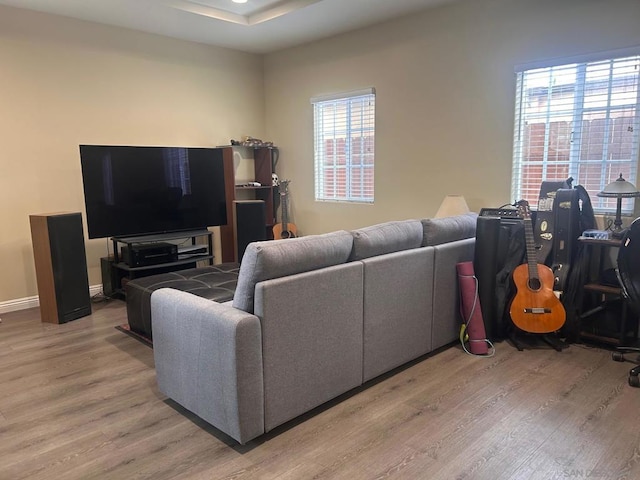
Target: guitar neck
point(285, 210)
point(532, 260)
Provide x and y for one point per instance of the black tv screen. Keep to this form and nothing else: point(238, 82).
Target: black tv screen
point(148, 190)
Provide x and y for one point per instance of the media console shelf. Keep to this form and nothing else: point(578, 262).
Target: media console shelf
point(187, 255)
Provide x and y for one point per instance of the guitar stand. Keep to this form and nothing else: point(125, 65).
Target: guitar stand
point(551, 339)
point(554, 341)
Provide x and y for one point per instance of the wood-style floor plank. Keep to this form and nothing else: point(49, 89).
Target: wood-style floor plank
point(80, 401)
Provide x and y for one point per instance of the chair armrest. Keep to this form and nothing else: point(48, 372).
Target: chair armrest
point(208, 358)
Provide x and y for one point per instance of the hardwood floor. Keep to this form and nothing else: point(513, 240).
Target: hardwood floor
point(79, 401)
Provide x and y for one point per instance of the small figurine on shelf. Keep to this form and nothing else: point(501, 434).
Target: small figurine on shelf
point(248, 141)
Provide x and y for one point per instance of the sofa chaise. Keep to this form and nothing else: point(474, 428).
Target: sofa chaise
point(311, 318)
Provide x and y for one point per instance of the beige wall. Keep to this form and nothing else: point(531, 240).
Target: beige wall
point(65, 82)
point(444, 82)
point(445, 98)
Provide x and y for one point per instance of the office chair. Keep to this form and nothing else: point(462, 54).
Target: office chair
point(628, 272)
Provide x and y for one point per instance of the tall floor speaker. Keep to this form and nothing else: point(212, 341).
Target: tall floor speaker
point(248, 224)
point(494, 245)
point(61, 266)
point(486, 267)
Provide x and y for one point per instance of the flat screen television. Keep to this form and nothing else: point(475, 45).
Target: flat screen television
point(130, 191)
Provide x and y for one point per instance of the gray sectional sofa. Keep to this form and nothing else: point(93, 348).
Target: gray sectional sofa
point(311, 318)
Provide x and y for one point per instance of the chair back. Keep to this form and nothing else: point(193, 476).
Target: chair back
point(628, 265)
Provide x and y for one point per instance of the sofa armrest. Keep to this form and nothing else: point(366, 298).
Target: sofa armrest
point(208, 358)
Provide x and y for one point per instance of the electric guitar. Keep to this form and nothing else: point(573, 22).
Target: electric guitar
point(284, 229)
point(535, 308)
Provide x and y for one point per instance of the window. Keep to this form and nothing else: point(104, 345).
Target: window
point(577, 120)
point(344, 138)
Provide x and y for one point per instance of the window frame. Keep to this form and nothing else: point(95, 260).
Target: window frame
point(358, 168)
point(578, 112)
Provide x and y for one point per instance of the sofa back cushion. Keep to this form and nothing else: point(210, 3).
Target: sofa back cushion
point(385, 238)
point(398, 309)
point(311, 338)
point(280, 258)
point(437, 231)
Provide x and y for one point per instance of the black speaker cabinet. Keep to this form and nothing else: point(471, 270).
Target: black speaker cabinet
point(248, 224)
point(485, 265)
point(494, 240)
point(110, 277)
point(61, 266)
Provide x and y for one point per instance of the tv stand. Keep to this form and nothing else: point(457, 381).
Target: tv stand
point(188, 255)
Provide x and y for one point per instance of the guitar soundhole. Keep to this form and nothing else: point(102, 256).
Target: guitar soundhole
point(285, 234)
point(535, 284)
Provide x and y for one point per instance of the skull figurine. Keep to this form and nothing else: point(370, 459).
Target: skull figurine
point(274, 180)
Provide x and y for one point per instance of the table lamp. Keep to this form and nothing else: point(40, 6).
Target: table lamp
point(619, 189)
point(452, 205)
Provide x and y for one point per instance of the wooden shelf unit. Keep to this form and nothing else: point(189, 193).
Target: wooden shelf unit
point(263, 168)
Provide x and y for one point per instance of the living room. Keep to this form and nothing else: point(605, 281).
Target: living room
point(75, 83)
point(445, 89)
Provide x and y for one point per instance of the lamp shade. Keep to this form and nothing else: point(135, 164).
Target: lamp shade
point(620, 188)
point(452, 205)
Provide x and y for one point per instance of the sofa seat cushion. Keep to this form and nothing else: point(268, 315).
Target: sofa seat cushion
point(437, 231)
point(280, 258)
point(216, 282)
point(385, 238)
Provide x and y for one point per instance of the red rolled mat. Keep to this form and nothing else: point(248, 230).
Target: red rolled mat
point(470, 308)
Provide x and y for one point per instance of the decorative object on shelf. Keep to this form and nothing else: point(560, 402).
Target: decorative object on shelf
point(284, 229)
point(248, 185)
point(619, 189)
point(275, 182)
point(452, 205)
point(248, 141)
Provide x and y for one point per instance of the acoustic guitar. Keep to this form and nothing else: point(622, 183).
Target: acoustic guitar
point(535, 308)
point(284, 229)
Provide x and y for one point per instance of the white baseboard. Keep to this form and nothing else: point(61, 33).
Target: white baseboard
point(31, 302)
point(19, 304)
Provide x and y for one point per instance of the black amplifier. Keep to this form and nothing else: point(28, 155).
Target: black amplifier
point(507, 215)
point(146, 254)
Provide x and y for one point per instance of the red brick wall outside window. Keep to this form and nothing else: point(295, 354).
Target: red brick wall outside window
point(578, 120)
point(344, 144)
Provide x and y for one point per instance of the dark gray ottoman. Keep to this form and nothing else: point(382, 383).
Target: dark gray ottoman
point(216, 282)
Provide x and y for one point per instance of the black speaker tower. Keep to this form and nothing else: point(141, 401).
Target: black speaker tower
point(61, 266)
point(248, 224)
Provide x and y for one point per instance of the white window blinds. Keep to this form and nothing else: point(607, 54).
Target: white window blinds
point(344, 140)
point(578, 120)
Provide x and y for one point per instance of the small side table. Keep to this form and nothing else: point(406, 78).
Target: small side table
point(604, 304)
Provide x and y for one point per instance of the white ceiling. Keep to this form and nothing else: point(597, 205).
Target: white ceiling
point(258, 26)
